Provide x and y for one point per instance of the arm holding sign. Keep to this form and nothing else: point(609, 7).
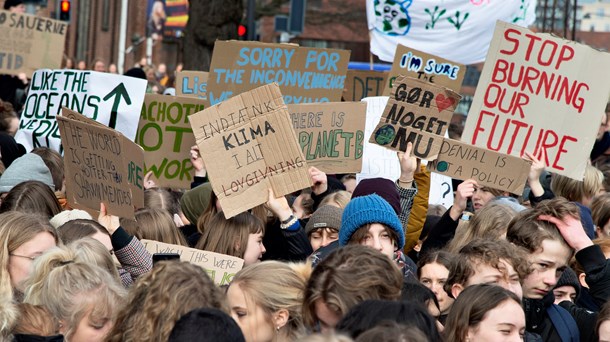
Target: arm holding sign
point(201, 173)
point(407, 190)
point(131, 253)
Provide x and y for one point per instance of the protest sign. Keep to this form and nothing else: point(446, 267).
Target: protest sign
point(29, 43)
point(539, 93)
point(495, 170)
point(248, 146)
point(101, 166)
point(166, 137)
point(417, 112)
point(133, 164)
point(109, 99)
point(303, 74)
point(192, 84)
point(330, 134)
point(220, 267)
point(426, 67)
point(364, 83)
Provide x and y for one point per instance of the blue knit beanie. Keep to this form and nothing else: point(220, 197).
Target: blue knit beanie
point(369, 209)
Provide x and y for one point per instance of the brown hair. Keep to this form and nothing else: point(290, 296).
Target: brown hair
point(31, 197)
point(158, 225)
point(7, 114)
point(603, 243)
point(35, 320)
point(161, 198)
point(55, 162)
point(362, 232)
point(604, 315)
point(575, 190)
point(80, 228)
point(439, 257)
point(159, 298)
point(349, 276)
point(470, 308)
point(230, 236)
point(600, 210)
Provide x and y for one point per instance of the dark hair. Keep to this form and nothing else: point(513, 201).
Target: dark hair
point(55, 162)
point(161, 198)
point(80, 228)
point(7, 114)
point(370, 313)
point(602, 316)
point(363, 231)
point(419, 294)
point(393, 332)
point(212, 323)
point(470, 308)
point(31, 197)
point(438, 257)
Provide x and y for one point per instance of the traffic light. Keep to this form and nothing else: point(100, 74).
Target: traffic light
point(242, 32)
point(64, 10)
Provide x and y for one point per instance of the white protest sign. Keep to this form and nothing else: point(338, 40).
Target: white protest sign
point(113, 100)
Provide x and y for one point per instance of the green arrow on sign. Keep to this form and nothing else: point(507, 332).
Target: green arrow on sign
point(118, 92)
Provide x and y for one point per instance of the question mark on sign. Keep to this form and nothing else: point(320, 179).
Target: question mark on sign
point(448, 188)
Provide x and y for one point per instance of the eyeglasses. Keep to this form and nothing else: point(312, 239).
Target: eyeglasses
point(24, 256)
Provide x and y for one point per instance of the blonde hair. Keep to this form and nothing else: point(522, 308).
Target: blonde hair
point(490, 223)
point(70, 289)
point(158, 225)
point(575, 190)
point(229, 236)
point(274, 286)
point(91, 251)
point(16, 229)
point(35, 320)
point(159, 298)
point(337, 198)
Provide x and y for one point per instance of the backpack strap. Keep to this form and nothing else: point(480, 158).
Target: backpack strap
point(564, 323)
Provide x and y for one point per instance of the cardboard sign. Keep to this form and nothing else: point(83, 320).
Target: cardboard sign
point(303, 74)
point(426, 67)
point(540, 93)
point(377, 161)
point(330, 134)
point(29, 42)
point(166, 136)
point(248, 146)
point(133, 165)
point(417, 112)
point(495, 170)
point(364, 83)
point(101, 165)
point(192, 84)
point(220, 267)
point(107, 98)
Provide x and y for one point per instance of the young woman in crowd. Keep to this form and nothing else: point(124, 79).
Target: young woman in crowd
point(433, 271)
point(158, 225)
point(31, 197)
point(323, 226)
point(266, 299)
point(485, 313)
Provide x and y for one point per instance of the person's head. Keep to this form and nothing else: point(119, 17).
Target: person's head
point(196, 202)
point(393, 332)
point(302, 207)
point(15, 6)
point(55, 162)
point(209, 324)
point(485, 313)
point(158, 225)
point(31, 197)
point(579, 191)
point(77, 229)
point(600, 212)
point(382, 187)
point(94, 252)
point(266, 299)
point(371, 221)
point(490, 222)
point(9, 121)
point(567, 288)
point(81, 65)
point(35, 320)
point(548, 252)
point(433, 271)
point(350, 182)
point(27, 167)
point(84, 297)
point(240, 236)
point(345, 278)
point(24, 238)
point(159, 298)
point(487, 262)
point(161, 69)
point(323, 226)
point(370, 313)
point(112, 68)
point(98, 65)
point(419, 294)
point(483, 195)
point(604, 244)
point(161, 198)
point(602, 327)
point(338, 199)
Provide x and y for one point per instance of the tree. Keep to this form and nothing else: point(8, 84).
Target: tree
point(209, 20)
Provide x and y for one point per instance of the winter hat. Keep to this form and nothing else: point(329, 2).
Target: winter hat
point(27, 167)
point(206, 324)
point(327, 216)
point(369, 209)
point(569, 278)
point(382, 187)
point(12, 3)
point(195, 201)
point(69, 215)
point(136, 72)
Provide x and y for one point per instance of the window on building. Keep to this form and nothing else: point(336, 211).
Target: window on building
point(592, 28)
point(600, 12)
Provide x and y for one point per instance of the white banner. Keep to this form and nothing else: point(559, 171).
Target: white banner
point(113, 100)
point(457, 30)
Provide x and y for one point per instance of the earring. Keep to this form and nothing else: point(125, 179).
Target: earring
point(277, 328)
